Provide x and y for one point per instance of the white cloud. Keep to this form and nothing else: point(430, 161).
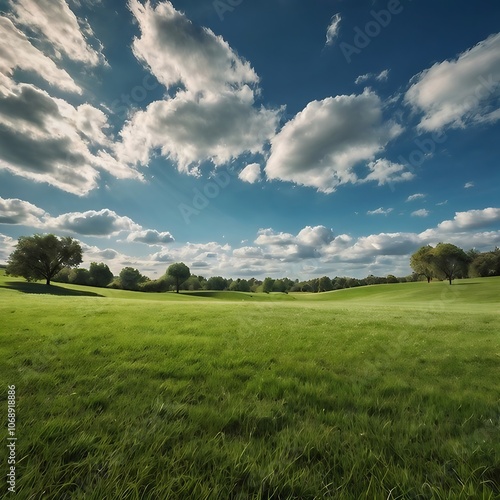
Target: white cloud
point(416, 196)
point(333, 29)
point(323, 143)
point(213, 115)
point(7, 246)
point(151, 237)
point(104, 222)
point(16, 211)
point(380, 211)
point(384, 171)
point(457, 92)
point(251, 173)
point(420, 213)
point(48, 140)
point(471, 219)
point(468, 185)
point(383, 76)
point(179, 52)
point(55, 20)
point(19, 53)
point(189, 129)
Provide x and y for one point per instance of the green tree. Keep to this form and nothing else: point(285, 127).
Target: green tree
point(180, 272)
point(267, 285)
point(216, 283)
point(485, 264)
point(325, 284)
point(100, 274)
point(131, 278)
point(79, 276)
point(421, 262)
point(449, 261)
point(43, 256)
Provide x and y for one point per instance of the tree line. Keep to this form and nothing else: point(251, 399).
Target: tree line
point(57, 259)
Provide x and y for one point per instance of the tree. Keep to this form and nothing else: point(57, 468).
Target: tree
point(486, 264)
point(421, 262)
point(180, 272)
point(79, 276)
point(216, 283)
point(267, 285)
point(449, 261)
point(131, 278)
point(100, 275)
point(43, 256)
point(325, 284)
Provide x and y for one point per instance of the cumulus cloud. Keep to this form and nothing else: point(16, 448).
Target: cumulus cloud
point(420, 213)
point(104, 222)
point(416, 196)
point(151, 237)
point(460, 91)
point(380, 211)
point(213, 115)
point(7, 246)
point(190, 129)
point(19, 53)
point(384, 171)
point(333, 29)
point(48, 140)
point(323, 143)
point(179, 52)
point(251, 173)
point(60, 27)
point(471, 219)
point(16, 211)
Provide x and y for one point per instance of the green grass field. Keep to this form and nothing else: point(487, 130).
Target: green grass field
point(379, 392)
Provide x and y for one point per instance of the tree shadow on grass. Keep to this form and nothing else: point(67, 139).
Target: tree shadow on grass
point(41, 288)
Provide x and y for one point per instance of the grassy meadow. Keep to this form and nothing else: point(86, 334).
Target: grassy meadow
point(380, 392)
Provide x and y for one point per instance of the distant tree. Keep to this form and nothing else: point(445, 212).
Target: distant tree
point(392, 279)
point(279, 286)
point(180, 272)
point(100, 274)
point(449, 261)
point(352, 282)
point(43, 256)
point(485, 264)
point(325, 284)
point(79, 276)
point(131, 278)
point(240, 285)
point(162, 284)
point(63, 275)
point(421, 262)
point(267, 285)
point(216, 283)
point(192, 283)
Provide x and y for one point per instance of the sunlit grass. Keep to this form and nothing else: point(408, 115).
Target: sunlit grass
point(381, 392)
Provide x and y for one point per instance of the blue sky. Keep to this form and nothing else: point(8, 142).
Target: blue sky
point(251, 138)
